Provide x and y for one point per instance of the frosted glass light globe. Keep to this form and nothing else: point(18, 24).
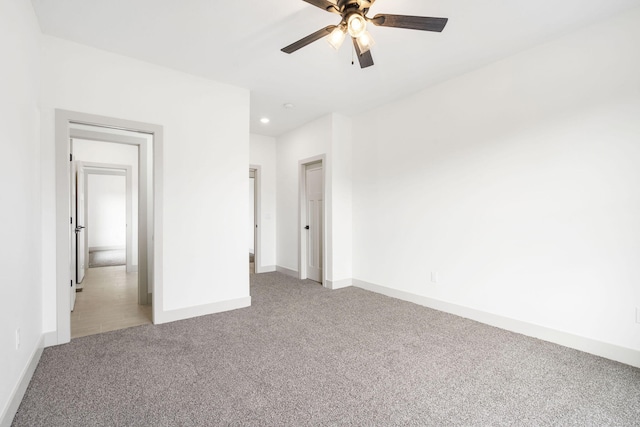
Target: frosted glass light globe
point(356, 25)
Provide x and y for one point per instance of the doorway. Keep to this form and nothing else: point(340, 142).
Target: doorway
point(311, 220)
point(252, 220)
point(253, 227)
point(111, 232)
point(106, 233)
point(147, 139)
point(90, 144)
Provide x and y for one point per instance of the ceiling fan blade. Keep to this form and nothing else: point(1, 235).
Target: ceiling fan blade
point(327, 5)
point(308, 40)
point(411, 22)
point(365, 59)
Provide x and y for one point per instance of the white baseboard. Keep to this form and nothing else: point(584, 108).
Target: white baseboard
point(106, 248)
point(287, 271)
point(201, 310)
point(18, 392)
point(265, 269)
point(338, 284)
point(50, 339)
point(599, 348)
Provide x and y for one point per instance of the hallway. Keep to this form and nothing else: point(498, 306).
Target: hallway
point(108, 302)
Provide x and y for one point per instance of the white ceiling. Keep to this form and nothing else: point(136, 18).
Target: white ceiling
point(239, 42)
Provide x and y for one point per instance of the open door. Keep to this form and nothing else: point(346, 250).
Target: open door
point(80, 230)
point(72, 235)
point(77, 233)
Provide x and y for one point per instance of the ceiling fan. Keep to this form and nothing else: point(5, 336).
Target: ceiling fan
point(354, 22)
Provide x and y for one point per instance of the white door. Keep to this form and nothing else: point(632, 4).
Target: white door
point(81, 234)
point(315, 221)
point(77, 229)
point(252, 213)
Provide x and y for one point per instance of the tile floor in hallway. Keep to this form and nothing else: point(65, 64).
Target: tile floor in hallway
point(108, 301)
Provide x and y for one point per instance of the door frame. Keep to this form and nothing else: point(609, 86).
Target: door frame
point(117, 170)
point(64, 119)
point(302, 215)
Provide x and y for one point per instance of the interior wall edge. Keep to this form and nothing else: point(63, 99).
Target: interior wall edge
point(598, 348)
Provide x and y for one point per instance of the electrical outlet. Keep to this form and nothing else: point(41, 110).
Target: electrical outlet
point(18, 339)
point(434, 277)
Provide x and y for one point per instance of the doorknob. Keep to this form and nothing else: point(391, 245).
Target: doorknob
point(79, 228)
point(306, 227)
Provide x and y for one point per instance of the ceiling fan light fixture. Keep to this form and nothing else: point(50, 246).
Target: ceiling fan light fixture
point(356, 25)
point(337, 36)
point(365, 42)
point(353, 22)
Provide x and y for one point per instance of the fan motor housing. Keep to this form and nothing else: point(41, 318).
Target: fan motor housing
point(347, 6)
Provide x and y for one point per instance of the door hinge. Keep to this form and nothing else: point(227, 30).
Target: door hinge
point(71, 283)
point(71, 220)
point(71, 157)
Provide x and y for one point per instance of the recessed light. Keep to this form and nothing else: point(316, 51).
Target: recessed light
point(264, 120)
point(288, 105)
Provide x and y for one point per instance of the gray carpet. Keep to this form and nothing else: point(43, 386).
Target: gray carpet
point(107, 258)
point(304, 355)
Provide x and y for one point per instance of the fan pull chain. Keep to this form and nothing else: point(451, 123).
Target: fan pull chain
point(352, 54)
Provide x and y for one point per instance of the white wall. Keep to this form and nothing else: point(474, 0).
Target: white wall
point(310, 140)
point(263, 153)
point(20, 221)
point(206, 147)
point(114, 154)
point(341, 201)
point(518, 183)
point(107, 200)
point(331, 136)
